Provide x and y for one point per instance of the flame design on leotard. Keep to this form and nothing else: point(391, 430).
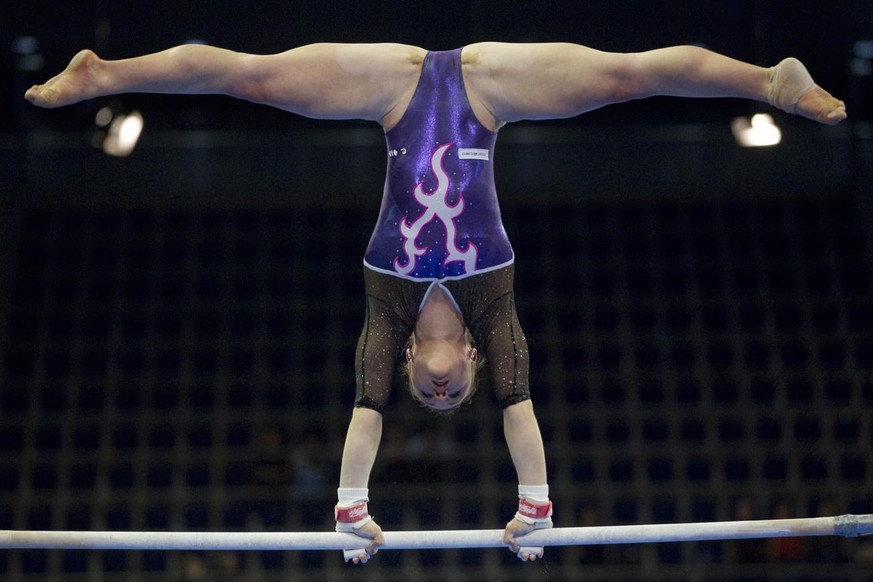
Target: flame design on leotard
point(437, 206)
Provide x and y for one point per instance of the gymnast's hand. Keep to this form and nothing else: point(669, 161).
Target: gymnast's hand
point(372, 532)
point(534, 512)
point(516, 529)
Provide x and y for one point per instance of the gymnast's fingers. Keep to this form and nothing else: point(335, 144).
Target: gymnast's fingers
point(358, 556)
point(530, 553)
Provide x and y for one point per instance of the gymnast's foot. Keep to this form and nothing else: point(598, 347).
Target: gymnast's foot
point(77, 82)
point(793, 90)
point(819, 105)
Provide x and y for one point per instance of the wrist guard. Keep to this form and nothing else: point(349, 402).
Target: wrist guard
point(533, 513)
point(351, 518)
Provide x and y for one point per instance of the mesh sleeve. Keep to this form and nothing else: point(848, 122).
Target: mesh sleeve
point(488, 303)
point(387, 326)
point(502, 340)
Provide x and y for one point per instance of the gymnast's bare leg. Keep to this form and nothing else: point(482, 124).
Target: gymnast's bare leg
point(567, 79)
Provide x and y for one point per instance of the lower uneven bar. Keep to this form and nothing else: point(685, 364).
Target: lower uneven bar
point(844, 525)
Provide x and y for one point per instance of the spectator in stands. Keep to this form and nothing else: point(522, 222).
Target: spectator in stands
point(439, 267)
point(193, 568)
point(589, 516)
point(271, 465)
point(747, 551)
point(791, 549)
point(308, 462)
point(826, 549)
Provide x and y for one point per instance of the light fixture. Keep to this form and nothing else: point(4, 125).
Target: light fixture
point(120, 131)
point(759, 131)
point(28, 57)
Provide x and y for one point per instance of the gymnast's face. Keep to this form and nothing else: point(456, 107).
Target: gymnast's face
point(441, 372)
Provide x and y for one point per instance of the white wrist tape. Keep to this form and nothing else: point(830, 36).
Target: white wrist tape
point(535, 493)
point(351, 495)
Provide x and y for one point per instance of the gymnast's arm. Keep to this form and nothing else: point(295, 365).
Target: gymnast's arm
point(525, 443)
point(359, 454)
point(557, 80)
point(328, 81)
point(362, 444)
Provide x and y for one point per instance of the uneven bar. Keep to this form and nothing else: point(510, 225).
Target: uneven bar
point(844, 525)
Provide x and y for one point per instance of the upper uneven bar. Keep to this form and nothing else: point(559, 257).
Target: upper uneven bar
point(844, 525)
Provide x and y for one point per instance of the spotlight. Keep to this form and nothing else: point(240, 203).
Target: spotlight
point(28, 57)
point(122, 131)
point(759, 131)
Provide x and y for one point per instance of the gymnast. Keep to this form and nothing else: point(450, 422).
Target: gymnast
point(438, 269)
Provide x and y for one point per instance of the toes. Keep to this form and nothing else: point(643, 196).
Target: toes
point(821, 106)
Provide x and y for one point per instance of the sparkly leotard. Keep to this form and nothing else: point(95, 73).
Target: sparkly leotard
point(440, 216)
point(440, 223)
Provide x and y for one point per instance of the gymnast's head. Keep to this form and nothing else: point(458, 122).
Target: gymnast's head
point(442, 374)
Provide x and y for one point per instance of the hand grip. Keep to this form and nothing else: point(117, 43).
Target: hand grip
point(352, 554)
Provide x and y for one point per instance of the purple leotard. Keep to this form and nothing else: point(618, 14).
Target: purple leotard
point(440, 217)
point(440, 225)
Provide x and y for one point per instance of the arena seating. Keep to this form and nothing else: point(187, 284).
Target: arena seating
point(173, 369)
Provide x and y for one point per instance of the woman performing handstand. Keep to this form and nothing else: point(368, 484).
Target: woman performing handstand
point(438, 270)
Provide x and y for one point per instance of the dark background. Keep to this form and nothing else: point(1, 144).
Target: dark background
point(177, 327)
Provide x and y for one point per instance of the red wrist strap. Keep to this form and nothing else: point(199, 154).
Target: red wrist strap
point(351, 514)
point(534, 510)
